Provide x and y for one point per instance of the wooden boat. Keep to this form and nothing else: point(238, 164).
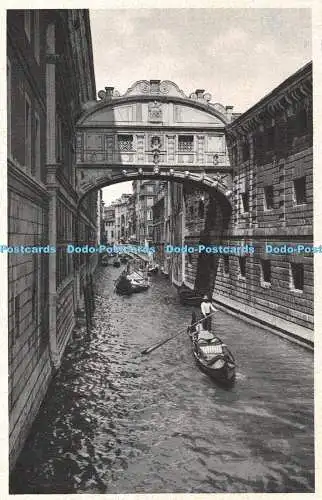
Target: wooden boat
point(105, 260)
point(212, 355)
point(138, 282)
point(127, 284)
point(153, 269)
point(123, 285)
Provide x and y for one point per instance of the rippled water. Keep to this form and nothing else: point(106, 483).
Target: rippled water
point(115, 421)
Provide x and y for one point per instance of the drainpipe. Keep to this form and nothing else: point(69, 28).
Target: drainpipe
point(52, 189)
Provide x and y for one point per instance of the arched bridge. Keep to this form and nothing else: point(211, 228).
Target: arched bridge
point(154, 130)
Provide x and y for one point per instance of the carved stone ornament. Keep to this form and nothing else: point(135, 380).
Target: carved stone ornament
point(155, 111)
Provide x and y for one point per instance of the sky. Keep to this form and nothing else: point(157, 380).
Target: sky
point(238, 55)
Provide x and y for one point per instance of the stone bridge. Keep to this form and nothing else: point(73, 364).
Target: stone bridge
point(154, 130)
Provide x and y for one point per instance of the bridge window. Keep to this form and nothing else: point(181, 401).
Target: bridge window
point(297, 276)
point(125, 142)
point(185, 143)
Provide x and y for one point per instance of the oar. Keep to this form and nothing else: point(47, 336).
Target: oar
point(152, 348)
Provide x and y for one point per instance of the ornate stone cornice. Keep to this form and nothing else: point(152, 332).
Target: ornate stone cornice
point(154, 88)
point(291, 93)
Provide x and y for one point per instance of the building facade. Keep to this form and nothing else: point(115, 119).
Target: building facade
point(270, 151)
point(50, 75)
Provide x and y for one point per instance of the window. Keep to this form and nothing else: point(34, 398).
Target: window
point(265, 271)
point(34, 300)
point(9, 108)
point(185, 143)
point(268, 198)
point(17, 315)
point(234, 154)
point(242, 267)
point(226, 264)
point(201, 209)
point(245, 150)
point(299, 191)
point(297, 276)
point(36, 167)
point(27, 133)
point(302, 122)
point(149, 214)
point(270, 138)
point(125, 142)
point(27, 23)
point(245, 201)
point(59, 141)
point(149, 201)
point(36, 36)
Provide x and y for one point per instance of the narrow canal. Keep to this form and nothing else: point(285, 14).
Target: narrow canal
point(118, 422)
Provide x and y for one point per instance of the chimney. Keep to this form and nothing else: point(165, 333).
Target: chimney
point(200, 93)
point(155, 86)
point(109, 92)
point(229, 112)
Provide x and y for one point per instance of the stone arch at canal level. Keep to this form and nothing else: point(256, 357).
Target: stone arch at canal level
point(155, 131)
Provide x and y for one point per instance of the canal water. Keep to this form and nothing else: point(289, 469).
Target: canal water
point(115, 421)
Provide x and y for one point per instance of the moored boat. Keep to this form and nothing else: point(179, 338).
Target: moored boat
point(212, 355)
point(105, 260)
point(153, 269)
point(127, 284)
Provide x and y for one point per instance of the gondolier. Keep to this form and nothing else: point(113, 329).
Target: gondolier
point(207, 309)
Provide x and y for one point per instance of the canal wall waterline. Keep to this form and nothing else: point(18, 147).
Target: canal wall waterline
point(300, 336)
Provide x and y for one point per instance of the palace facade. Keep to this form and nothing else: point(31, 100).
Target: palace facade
point(50, 75)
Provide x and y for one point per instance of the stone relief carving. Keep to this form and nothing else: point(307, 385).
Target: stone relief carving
point(155, 111)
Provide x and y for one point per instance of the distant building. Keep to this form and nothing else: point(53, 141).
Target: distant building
point(109, 224)
point(144, 192)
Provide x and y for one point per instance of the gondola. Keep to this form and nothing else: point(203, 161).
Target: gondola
point(153, 270)
point(105, 260)
point(127, 284)
point(211, 354)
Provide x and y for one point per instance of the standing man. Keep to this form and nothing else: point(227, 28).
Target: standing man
point(207, 308)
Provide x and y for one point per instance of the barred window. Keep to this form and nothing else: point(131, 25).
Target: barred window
point(242, 267)
point(299, 191)
point(185, 143)
point(268, 197)
point(245, 151)
point(297, 276)
point(245, 201)
point(226, 264)
point(125, 142)
point(266, 270)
